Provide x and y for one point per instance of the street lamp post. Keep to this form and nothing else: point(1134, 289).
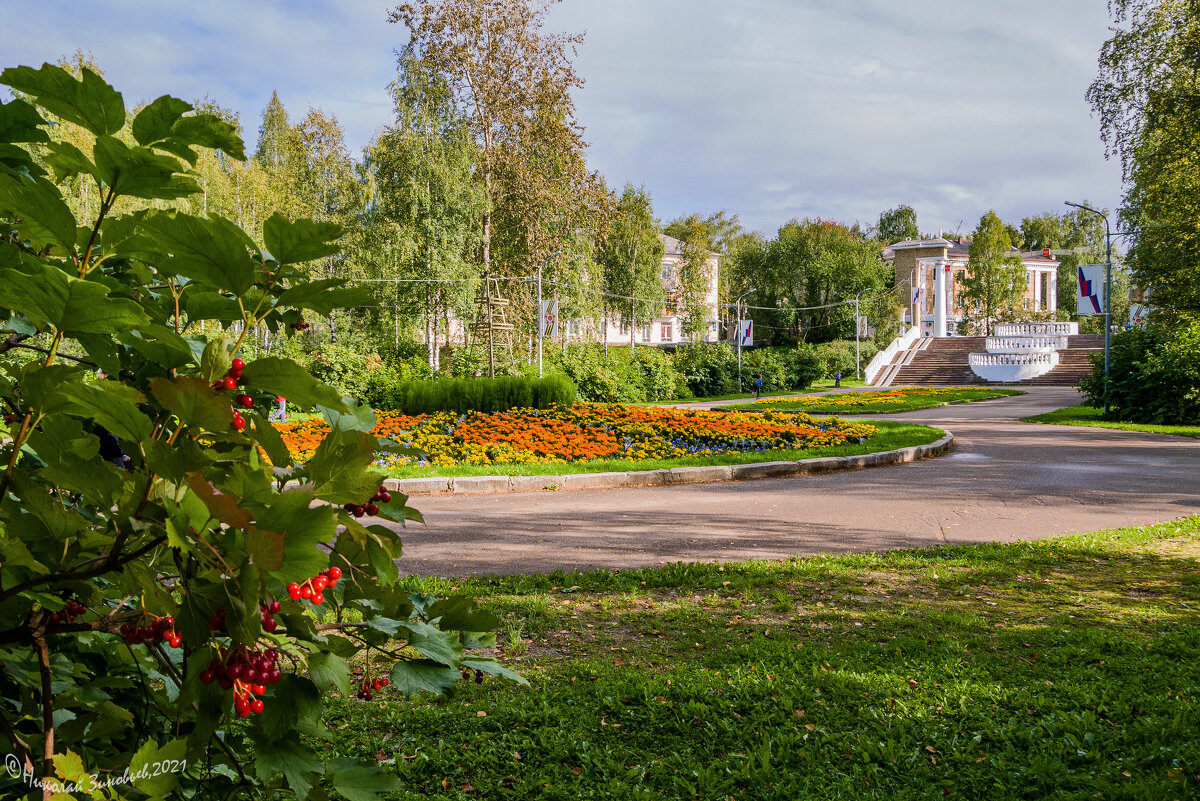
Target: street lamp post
point(540, 320)
point(857, 329)
point(1107, 293)
point(737, 307)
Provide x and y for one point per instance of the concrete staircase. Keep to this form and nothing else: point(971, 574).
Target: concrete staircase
point(943, 362)
point(1074, 362)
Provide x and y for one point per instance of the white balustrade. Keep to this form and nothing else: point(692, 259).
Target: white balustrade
point(1011, 367)
point(884, 357)
point(1036, 329)
point(1027, 344)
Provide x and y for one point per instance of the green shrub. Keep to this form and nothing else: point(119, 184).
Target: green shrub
point(838, 356)
point(1154, 376)
point(463, 395)
point(346, 370)
point(708, 369)
point(616, 376)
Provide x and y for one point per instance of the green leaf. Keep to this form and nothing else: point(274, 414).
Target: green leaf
point(220, 505)
point(148, 761)
point(194, 402)
point(211, 250)
point(360, 418)
point(67, 161)
point(358, 782)
point(140, 172)
point(325, 295)
point(109, 403)
point(412, 676)
point(459, 613)
point(300, 241)
point(97, 480)
point(198, 304)
point(20, 122)
point(329, 672)
point(298, 763)
point(174, 462)
point(440, 646)
point(492, 667)
point(287, 378)
point(303, 527)
point(295, 706)
point(153, 123)
point(160, 345)
point(266, 435)
point(51, 297)
point(209, 130)
point(340, 468)
point(216, 359)
point(43, 216)
point(88, 101)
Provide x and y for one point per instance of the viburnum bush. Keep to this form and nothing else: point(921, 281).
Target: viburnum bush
point(175, 594)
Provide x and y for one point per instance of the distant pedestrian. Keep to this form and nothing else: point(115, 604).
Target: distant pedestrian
point(280, 412)
point(837, 378)
point(757, 387)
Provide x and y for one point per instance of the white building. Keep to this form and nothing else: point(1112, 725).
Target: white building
point(667, 328)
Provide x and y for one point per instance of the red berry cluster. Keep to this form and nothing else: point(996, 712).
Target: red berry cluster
point(313, 589)
point(269, 610)
point(368, 688)
point(231, 381)
point(245, 672)
point(369, 508)
point(162, 628)
point(68, 613)
point(300, 326)
point(466, 674)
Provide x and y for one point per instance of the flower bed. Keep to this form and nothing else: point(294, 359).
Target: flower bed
point(586, 432)
point(893, 400)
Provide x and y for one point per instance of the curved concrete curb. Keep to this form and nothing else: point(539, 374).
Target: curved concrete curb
point(658, 478)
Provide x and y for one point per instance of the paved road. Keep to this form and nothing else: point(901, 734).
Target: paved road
point(1004, 481)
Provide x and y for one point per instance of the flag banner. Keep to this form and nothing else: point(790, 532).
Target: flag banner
point(916, 296)
point(1139, 314)
point(746, 333)
point(549, 317)
point(864, 330)
point(1090, 299)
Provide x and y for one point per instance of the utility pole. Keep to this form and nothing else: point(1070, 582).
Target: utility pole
point(1107, 293)
point(737, 307)
point(857, 330)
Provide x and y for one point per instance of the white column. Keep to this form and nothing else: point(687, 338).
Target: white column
point(1037, 290)
point(939, 302)
point(1054, 290)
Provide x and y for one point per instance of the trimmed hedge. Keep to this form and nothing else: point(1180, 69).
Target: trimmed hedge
point(463, 395)
point(1155, 376)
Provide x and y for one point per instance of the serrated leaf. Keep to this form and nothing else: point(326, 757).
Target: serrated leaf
point(412, 676)
point(88, 100)
point(340, 468)
point(160, 345)
point(295, 705)
point(459, 613)
point(67, 161)
point(140, 172)
point(440, 646)
point(329, 672)
point(220, 505)
point(304, 527)
point(361, 417)
point(194, 402)
point(293, 242)
point(358, 782)
point(20, 122)
point(43, 216)
point(287, 378)
point(109, 403)
point(143, 765)
point(492, 667)
point(298, 764)
point(211, 250)
point(211, 131)
point(325, 295)
point(153, 123)
point(49, 296)
point(267, 436)
point(199, 304)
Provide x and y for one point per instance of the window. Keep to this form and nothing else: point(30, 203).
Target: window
point(668, 271)
point(666, 332)
point(644, 332)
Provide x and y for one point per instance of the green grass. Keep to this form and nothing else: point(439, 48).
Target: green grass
point(1090, 416)
point(1067, 668)
point(908, 404)
point(889, 437)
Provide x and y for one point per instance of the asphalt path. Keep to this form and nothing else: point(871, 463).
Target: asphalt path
point(1003, 481)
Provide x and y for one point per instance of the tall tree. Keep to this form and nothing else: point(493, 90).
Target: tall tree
point(276, 139)
point(1067, 231)
point(630, 256)
point(897, 224)
point(425, 199)
point(1147, 95)
point(995, 280)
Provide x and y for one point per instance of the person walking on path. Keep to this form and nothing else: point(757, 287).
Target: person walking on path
point(757, 387)
point(837, 378)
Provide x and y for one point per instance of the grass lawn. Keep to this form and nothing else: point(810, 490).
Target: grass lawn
point(1068, 668)
point(890, 437)
point(883, 402)
point(816, 386)
point(1090, 416)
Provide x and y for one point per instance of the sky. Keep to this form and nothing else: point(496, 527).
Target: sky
point(769, 109)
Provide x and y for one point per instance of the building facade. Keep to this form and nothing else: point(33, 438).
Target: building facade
point(929, 271)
